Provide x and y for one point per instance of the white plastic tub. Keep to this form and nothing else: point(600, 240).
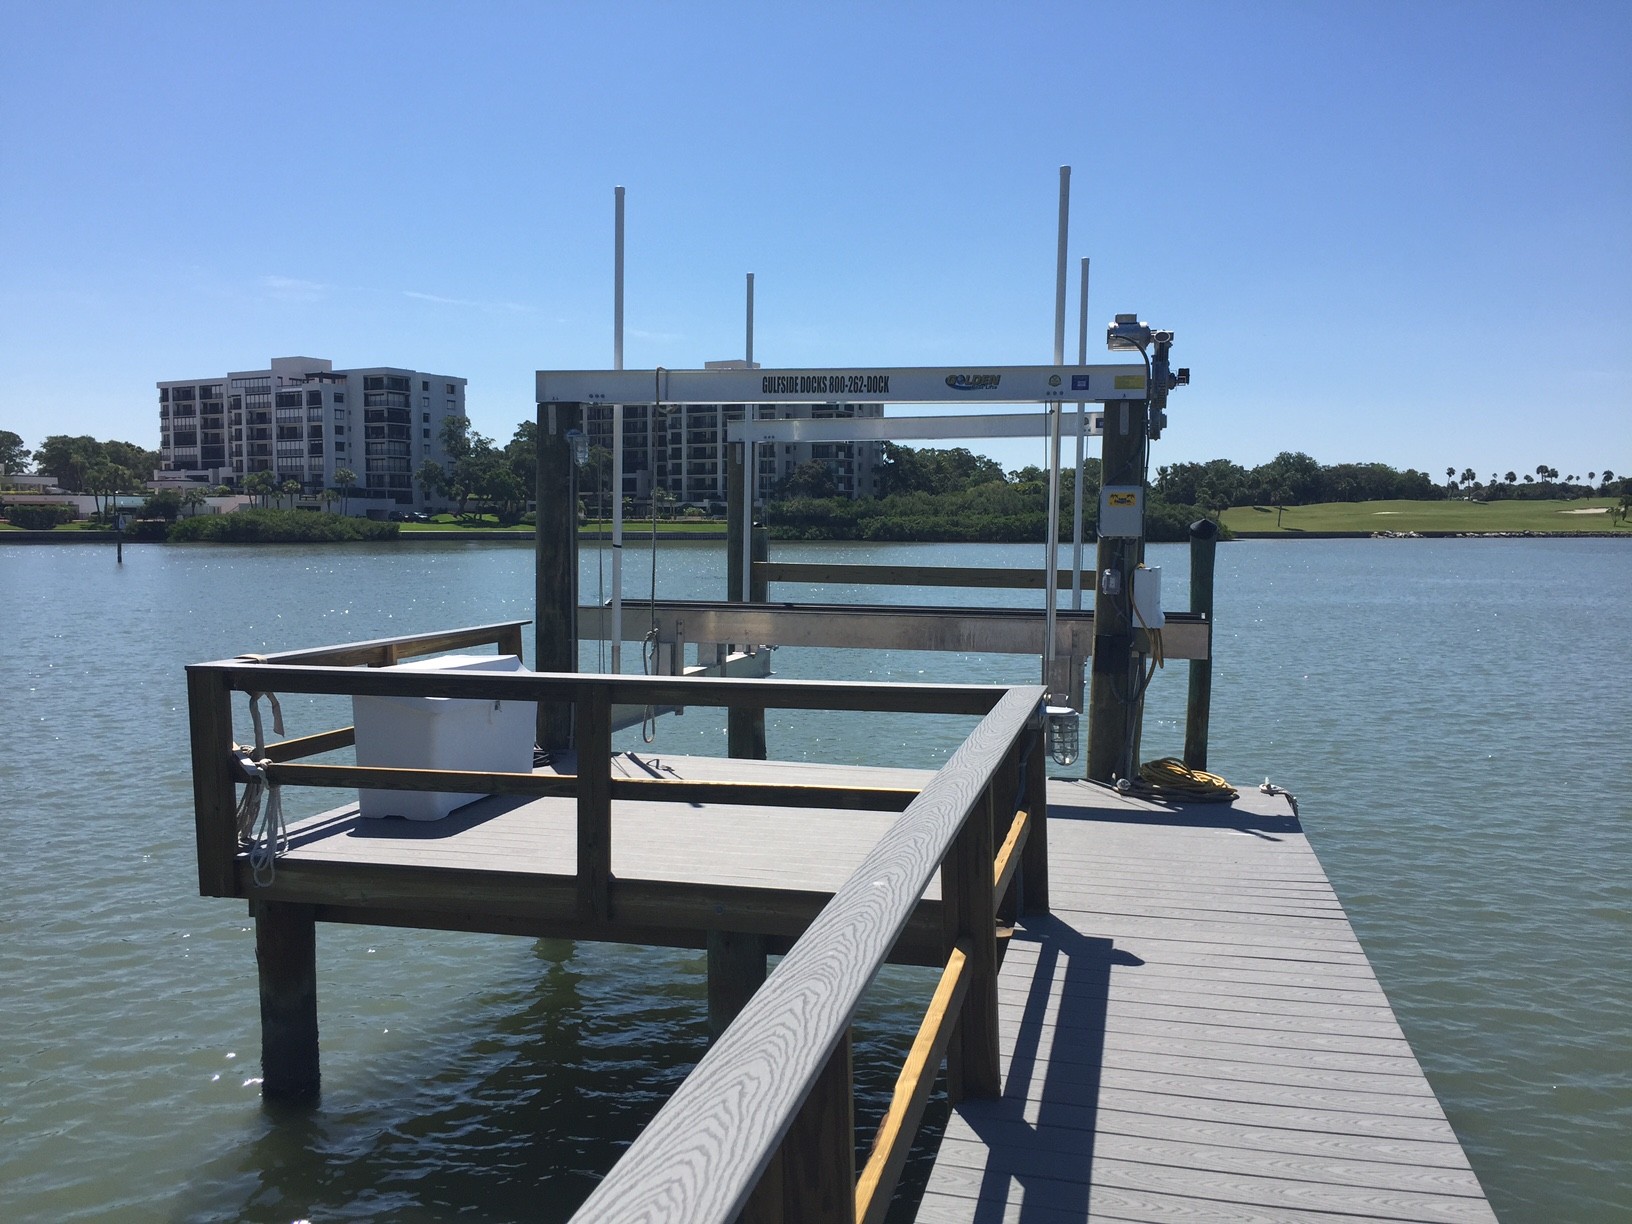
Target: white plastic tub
point(441, 733)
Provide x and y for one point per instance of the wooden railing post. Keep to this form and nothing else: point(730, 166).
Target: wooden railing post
point(1034, 857)
point(967, 904)
point(215, 797)
point(286, 958)
point(818, 1154)
point(1007, 790)
point(594, 719)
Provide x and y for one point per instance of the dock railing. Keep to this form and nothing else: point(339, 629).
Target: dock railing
point(765, 1124)
point(763, 1127)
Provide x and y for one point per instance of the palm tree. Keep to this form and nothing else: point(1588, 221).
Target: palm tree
point(1469, 478)
point(1450, 479)
point(345, 480)
point(261, 485)
point(291, 490)
point(1511, 478)
point(192, 499)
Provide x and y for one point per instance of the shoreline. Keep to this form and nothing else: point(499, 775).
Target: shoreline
point(479, 535)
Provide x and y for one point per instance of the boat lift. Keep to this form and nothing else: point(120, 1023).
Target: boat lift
point(560, 395)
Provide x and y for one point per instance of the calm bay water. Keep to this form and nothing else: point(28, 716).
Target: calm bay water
point(1452, 715)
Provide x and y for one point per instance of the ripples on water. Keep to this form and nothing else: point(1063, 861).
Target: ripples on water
point(1452, 715)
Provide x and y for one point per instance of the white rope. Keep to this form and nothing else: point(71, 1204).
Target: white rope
point(264, 832)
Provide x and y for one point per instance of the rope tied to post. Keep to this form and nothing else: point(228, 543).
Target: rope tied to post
point(264, 832)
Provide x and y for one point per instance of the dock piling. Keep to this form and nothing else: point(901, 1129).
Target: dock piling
point(736, 968)
point(286, 958)
point(556, 573)
point(1199, 703)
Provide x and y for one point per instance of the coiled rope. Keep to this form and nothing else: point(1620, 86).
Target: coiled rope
point(262, 831)
point(1170, 779)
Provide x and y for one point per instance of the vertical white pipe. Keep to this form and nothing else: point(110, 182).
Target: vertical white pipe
point(1059, 267)
point(750, 476)
point(750, 466)
point(1051, 552)
point(1082, 421)
point(617, 436)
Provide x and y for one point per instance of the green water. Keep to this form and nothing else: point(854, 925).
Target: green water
point(1452, 714)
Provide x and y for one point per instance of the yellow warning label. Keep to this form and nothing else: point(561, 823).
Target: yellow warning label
point(1129, 382)
point(1122, 499)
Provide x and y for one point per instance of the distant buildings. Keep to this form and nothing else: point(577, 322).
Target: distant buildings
point(690, 447)
point(302, 420)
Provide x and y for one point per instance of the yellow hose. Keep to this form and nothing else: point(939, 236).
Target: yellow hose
point(1171, 779)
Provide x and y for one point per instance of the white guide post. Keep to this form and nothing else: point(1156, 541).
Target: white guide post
point(1082, 409)
point(750, 463)
point(1051, 550)
point(617, 437)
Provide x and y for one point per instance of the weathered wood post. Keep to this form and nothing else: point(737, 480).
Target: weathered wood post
point(745, 726)
point(736, 968)
point(968, 919)
point(555, 632)
point(286, 957)
point(1034, 858)
point(818, 1155)
point(1114, 678)
point(1198, 707)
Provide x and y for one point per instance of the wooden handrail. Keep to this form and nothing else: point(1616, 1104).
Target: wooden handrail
point(506, 634)
point(702, 1155)
point(350, 681)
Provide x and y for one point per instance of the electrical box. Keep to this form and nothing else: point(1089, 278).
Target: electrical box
point(1121, 511)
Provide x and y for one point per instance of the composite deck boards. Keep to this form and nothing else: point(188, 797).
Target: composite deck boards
point(803, 849)
point(1194, 1033)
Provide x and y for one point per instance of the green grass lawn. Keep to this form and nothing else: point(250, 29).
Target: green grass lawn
point(1581, 514)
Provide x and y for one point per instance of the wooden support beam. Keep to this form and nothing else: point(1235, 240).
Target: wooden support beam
point(555, 578)
point(594, 719)
point(1113, 679)
point(893, 1141)
point(215, 796)
point(818, 1154)
point(967, 904)
point(286, 957)
point(1034, 859)
point(736, 968)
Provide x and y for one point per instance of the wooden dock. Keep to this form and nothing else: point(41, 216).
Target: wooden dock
point(1195, 1033)
point(1146, 1012)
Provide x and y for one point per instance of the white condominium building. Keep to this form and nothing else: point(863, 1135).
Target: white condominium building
point(303, 420)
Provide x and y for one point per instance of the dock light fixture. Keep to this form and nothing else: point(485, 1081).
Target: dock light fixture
point(1127, 335)
point(579, 441)
point(1063, 737)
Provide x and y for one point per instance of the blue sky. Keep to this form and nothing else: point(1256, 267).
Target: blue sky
point(1381, 231)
